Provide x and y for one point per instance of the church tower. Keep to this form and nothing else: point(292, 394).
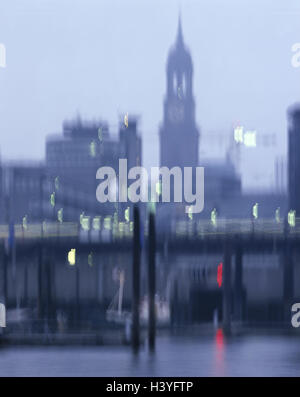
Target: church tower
point(179, 135)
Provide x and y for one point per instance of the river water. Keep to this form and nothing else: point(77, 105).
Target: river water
point(246, 355)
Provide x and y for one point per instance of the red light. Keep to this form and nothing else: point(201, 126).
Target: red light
point(220, 339)
point(220, 274)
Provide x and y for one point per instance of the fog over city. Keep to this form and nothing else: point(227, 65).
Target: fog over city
point(101, 59)
point(150, 191)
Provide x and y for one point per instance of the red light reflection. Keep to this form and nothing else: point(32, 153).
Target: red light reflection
point(220, 274)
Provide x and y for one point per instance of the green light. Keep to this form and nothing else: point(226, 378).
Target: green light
point(115, 217)
point(213, 217)
point(24, 222)
point(131, 226)
point(250, 138)
point(80, 217)
point(60, 215)
point(100, 134)
point(126, 120)
point(72, 257)
point(179, 92)
point(255, 211)
point(158, 188)
point(128, 193)
point(97, 223)
point(127, 214)
point(190, 212)
point(56, 183)
point(152, 207)
point(292, 218)
point(277, 215)
point(107, 222)
point(84, 221)
point(52, 199)
point(238, 134)
point(90, 259)
point(93, 149)
point(121, 227)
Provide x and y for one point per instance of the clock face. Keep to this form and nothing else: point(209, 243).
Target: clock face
point(176, 112)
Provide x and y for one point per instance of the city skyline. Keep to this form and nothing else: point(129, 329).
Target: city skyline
point(149, 190)
point(246, 76)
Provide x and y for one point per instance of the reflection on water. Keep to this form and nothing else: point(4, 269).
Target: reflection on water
point(255, 355)
point(219, 344)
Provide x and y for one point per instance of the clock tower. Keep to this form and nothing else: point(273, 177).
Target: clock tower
point(179, 135)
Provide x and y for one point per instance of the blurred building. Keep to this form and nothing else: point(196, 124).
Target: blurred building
point(294, 158)
point(2, 198)
point(73, 158)
point(179, 134)
point(66, 181)
point(23, 191)
point(280, 174)
point(130, 143)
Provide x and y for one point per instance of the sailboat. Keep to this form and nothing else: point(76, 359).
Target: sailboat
point(116, 314)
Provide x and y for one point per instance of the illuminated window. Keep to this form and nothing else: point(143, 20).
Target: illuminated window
point(250, 138)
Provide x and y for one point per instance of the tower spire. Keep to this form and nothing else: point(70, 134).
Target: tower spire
point(179, 128)
point(179, 40)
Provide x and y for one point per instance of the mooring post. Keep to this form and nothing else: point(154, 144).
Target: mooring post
point(39, 282)
point(4, 274)
point(238, 283)
point(151, 281)
point(6, 253)
point(136, 280)
point(77, 293)
point(40, 309)
point(227, 288)
point(288, 281)
point(25, 300)
point(48, 283)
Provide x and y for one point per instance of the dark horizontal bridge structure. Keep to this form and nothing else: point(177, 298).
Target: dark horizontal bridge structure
point(251, 238)
point(232, 239)
point(207, 245)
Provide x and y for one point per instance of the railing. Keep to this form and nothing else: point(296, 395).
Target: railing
point(124, 230)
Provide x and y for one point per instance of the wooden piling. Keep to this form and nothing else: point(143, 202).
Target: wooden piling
point(151, 282)
point(238, 283)
point(136, 280)
point(227, 289)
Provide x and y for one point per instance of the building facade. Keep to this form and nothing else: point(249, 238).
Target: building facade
point(179, 135)
point(72, 161)
point(294, 158)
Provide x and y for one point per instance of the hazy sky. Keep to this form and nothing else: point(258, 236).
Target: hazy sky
point(103, 57)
